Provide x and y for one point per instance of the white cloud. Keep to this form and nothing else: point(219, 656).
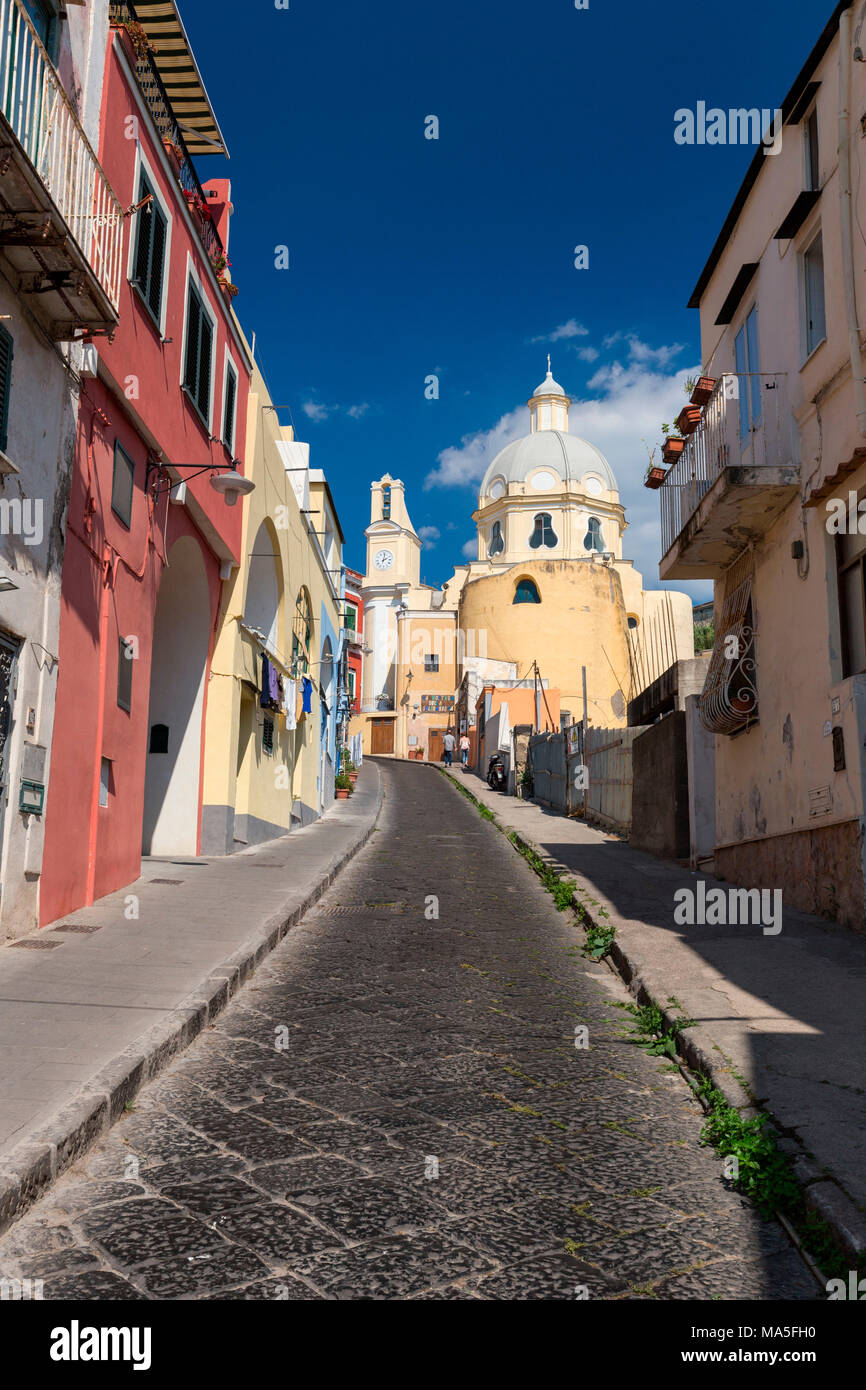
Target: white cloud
point(318, 411)
point(588, 354)
point(428, 536)
point(470, 550)
point(571, 329)
point(626, 402)
point(460, 466)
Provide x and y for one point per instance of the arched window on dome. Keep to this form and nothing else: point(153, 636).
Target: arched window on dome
point(526, 592)
point(544, 533)
point(496, 544)
point(593, 540)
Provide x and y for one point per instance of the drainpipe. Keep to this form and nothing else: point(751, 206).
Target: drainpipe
point(846, 217)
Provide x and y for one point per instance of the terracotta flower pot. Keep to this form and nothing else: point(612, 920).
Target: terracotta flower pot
point(704, 388)
point(672, 448)
point(342, 793)
point(353, 777)
point(655, 477)
point(688, 419)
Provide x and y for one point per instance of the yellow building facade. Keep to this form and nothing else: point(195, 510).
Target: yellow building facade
point(549, 593)
point(267, 770)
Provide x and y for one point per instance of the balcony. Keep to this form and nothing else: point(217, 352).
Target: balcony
point(160, 105)
point(736, 475)
point(61, 225)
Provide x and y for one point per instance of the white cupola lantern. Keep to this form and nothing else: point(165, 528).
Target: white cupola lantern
point(548, 405)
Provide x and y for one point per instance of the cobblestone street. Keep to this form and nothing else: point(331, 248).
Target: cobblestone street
point(394, 1107)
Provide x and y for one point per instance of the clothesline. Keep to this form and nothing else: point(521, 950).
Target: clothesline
point(273, 655)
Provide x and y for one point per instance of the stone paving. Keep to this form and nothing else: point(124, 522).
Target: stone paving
point(395, 1108)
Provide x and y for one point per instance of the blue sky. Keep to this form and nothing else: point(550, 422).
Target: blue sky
point(411, 256)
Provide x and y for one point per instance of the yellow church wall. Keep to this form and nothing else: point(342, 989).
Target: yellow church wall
point(581, 621)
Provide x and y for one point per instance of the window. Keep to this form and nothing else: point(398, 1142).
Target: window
point(352, 685)
point(268, 737)
point(121, 484)
point(150, 240)
point(544, 533)
point(197, 364)
point(104, 781)
point(851, 563)
point(5, 383)
point(811, 133)
point(125, 651)
point(526, 592)
point(813, 285)
point(386, 504)
point(230, 393)
point(748, 369)
point(431, 663)
point(496, 544)
point(350, 619)
point(593, 540)
point(633, 622)
point(301, 633)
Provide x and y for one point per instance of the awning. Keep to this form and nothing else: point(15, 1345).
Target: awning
point(729, 700)
point(180, 76)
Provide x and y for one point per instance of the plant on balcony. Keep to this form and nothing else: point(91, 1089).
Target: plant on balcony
point(702, 390)
point(654, 475)
point(175, 154)
point(137, 34)
point(673, 443)
point(688, 419)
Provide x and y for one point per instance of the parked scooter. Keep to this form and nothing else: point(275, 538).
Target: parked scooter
point(496, 778)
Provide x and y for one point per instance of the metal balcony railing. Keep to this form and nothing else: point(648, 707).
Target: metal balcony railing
point(154, 93)
point(33, 100)
point(746, 423)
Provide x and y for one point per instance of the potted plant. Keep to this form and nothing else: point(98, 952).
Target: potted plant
point(688, 419)
point(175, 154)
point(655, 474)
point(342, 786)
point(673, 445)
point(702, 390)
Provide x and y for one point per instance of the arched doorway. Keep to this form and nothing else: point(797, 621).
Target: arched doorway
point(180, 649)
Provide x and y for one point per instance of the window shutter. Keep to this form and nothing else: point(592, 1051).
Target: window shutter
point(205, 340)
point(5, 383)
point(193, 330)
point(144, 235)
point(157, 260)
point(229, 412)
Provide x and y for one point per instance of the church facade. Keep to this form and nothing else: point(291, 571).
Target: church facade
point(548, 597)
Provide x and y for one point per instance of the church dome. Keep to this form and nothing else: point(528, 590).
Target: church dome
point(571, 459)
point(548, 387)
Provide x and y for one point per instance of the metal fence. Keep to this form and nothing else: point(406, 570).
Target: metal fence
point(43, 120)
point(587, 774)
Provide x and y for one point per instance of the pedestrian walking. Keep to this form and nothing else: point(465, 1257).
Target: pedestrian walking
point(449, 743)
point(464, 750)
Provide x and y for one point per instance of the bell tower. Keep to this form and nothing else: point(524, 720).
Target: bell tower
point(393, 548)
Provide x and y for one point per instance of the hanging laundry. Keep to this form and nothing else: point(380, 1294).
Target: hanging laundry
point(290, 703)
point(308, 695)
point(265, 692)
point(273, 686)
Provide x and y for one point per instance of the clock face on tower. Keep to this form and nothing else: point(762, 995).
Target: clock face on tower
point(383, 559)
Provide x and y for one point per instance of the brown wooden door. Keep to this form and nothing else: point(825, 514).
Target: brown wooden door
point(382, 736)
point(434, 745)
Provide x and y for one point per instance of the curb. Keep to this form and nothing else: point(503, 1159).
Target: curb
point(821, 1193)
point(33, 1165)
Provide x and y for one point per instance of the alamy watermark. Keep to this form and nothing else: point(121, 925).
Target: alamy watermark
point(736, 126)
point(734, 907)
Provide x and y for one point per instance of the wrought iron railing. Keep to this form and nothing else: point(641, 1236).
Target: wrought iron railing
point(35, 104)
point(152, 89)
point(747, 422)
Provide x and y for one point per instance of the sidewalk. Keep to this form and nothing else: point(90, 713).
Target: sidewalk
point(780, 1019)
point(96, 1005)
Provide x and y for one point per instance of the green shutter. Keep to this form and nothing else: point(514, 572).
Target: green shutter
point(206, 339)
point(143, 234)
point(229, 410)
point(157, 260)
point(5, 383)
point(193, 325)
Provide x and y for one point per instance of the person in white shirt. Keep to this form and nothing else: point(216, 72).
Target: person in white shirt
point(464, 749)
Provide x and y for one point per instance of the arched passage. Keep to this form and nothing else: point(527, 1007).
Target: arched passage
point(180, 648)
